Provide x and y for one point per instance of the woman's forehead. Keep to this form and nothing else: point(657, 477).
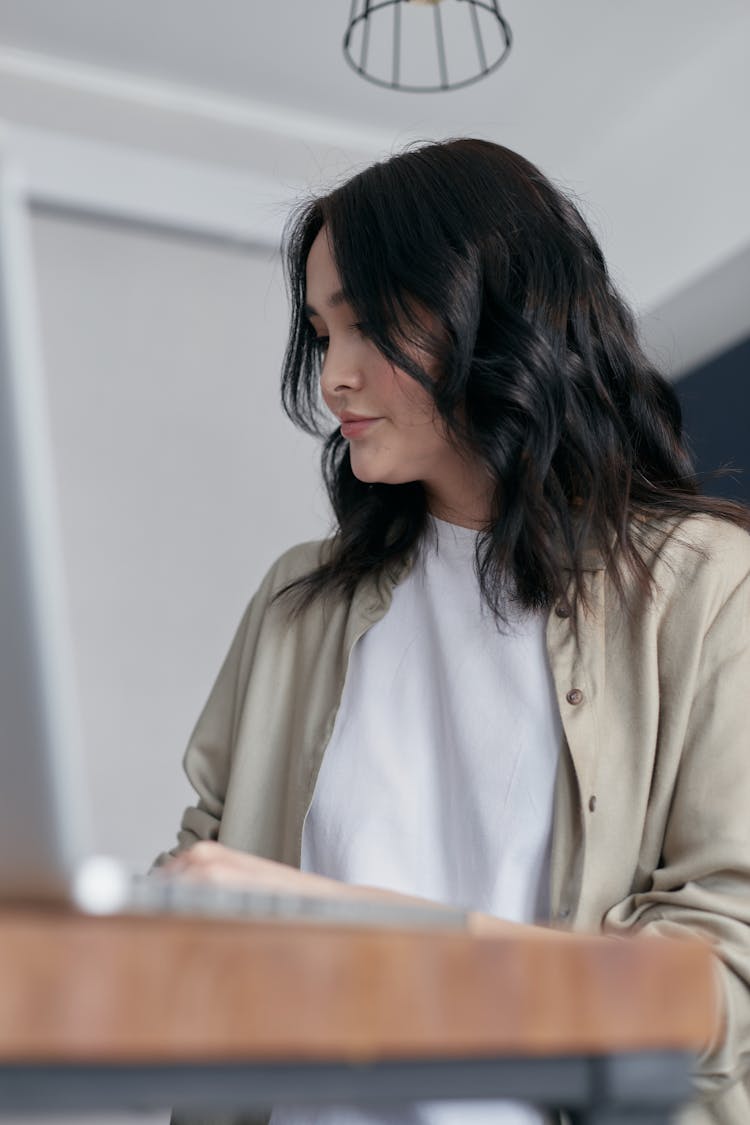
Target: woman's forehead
point(322, 281)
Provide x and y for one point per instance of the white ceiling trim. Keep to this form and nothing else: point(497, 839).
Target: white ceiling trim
point(198, 102)
point(98, 180)
point(702, 320)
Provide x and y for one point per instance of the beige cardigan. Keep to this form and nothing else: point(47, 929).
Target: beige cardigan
point(652, 803)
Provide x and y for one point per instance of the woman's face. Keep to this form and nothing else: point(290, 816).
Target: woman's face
point(403, 438)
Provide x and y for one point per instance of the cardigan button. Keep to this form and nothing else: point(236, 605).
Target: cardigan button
point(592, 804)
point(574, 696)
point(562, 611)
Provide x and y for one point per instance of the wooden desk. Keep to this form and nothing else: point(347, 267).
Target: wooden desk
point(101, 1012)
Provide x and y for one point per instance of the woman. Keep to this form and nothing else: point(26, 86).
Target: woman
point(514, 678)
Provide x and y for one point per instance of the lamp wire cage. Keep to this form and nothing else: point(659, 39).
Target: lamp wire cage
point(489, 54)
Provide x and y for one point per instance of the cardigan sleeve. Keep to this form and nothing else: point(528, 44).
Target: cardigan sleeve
point(208, 755)
point(702, 885)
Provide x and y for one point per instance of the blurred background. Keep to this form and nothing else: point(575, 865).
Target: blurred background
point(164, 142)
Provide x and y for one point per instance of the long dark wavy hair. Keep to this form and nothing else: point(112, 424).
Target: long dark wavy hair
point(541, 374)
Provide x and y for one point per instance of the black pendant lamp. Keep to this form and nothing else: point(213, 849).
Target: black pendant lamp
point(402, 45)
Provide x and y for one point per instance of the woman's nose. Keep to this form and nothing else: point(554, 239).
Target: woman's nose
point(341, 371)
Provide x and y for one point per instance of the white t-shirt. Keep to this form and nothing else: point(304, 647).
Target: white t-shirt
point(439, 776)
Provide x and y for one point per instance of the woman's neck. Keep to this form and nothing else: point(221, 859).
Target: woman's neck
point(468, 502)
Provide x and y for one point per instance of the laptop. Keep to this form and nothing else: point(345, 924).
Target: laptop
point(46, 831)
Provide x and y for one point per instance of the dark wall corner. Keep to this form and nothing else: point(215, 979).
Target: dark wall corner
point(715, 400)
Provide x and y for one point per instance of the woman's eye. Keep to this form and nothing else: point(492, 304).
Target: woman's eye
point(320, 343)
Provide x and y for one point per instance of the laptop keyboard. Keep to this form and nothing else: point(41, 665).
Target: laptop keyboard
point(103, 886)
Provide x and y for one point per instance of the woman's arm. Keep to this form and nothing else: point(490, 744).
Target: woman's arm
point(214, 863)
point(702, 885)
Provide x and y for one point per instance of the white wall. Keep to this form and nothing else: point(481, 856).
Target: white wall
point(180, 480)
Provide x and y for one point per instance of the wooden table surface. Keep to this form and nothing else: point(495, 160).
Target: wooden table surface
point(168, 989)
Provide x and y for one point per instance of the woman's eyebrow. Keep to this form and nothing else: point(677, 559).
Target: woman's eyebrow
point(335, 299)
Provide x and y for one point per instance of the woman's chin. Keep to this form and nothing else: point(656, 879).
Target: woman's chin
point(373, 477)
point(367, 474)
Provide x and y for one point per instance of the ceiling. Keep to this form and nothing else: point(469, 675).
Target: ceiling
point(574, 71)
point(640, 109)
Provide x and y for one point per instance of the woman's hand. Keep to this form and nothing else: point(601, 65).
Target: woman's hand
point(214, 863)
point(218, 864)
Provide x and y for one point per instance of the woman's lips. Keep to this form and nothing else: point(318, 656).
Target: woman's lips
point(356, 429)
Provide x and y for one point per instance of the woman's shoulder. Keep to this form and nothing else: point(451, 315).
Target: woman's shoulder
point(264, 611)
point(297, 561)
point(700, 550)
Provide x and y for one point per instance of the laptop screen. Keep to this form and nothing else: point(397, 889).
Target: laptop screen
point(43, 811)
